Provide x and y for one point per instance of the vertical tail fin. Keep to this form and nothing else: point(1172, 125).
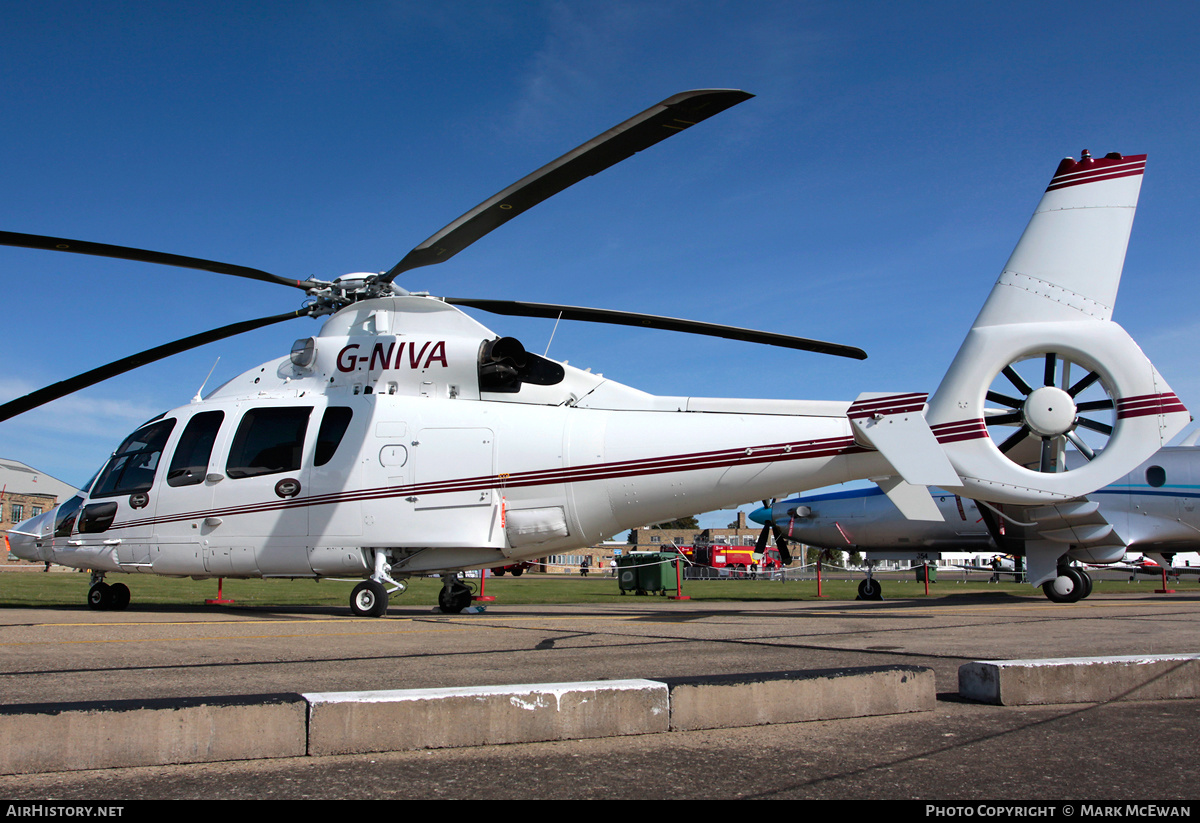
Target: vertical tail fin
point(1005, 425)
point(1067, 264)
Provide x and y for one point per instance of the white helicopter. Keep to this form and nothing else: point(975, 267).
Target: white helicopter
point(406, 439)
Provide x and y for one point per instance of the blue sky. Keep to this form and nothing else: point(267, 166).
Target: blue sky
point(869, 194)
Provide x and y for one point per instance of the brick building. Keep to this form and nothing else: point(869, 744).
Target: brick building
point(648, 539)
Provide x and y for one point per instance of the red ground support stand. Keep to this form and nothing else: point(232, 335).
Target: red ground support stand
point(679, 595)
point(1164, 589)
point(220, 599)
point(486, 598)
point(820, 557)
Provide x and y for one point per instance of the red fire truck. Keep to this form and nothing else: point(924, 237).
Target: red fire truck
point(739, 560)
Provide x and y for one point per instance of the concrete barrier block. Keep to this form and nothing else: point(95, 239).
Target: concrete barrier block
point(1081, 680)
point(350, 722)
point(64, 737)
point(791, 697)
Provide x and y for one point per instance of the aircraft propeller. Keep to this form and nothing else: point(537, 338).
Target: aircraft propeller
point(653, 125)
point(781, 541)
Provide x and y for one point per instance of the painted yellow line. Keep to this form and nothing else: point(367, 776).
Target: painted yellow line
point(210, 638)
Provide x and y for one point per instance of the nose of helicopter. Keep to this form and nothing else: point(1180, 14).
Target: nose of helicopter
point(22, 539)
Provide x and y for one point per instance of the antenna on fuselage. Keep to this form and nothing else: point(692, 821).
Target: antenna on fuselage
point(200, 390)
point(546, 353)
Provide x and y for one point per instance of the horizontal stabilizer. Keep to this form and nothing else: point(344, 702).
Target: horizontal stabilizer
point(894, 425)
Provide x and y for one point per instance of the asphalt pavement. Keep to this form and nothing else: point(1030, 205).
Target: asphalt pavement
point(1130, 750)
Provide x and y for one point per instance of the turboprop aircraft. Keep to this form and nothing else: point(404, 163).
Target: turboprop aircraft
point(407, 439)
point(1151, 510)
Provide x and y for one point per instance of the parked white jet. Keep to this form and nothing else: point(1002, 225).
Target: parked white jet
point(1152, 510)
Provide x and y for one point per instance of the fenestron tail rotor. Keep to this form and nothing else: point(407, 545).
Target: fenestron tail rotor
point(1054, 398)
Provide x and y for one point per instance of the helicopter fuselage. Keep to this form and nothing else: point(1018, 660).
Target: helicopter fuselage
point(408, 428)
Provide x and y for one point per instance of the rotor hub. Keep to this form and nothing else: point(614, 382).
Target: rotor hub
point(1049, 411)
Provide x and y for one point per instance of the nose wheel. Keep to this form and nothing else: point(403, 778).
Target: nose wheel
point(870, 589)
point(454, 596)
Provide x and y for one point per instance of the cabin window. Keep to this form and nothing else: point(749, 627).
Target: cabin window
point(132, 467)
point(268, 441)
point(190, 462)
point(334, 423)
point(97, 517)
point(1156, 476)
point(64, 520)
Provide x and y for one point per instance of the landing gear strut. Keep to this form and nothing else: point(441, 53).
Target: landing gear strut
point(870, 589)
point(370, 597)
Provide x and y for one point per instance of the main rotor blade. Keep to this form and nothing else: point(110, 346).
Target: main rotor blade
point(37, 241)
point(655, 124)
point(91, 378)
point(518, 308)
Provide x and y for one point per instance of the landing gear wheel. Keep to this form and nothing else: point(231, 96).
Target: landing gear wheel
point(870, 589)
point(369, 599)
point(1067, 587)
point(120, 596)
point(454, 598)
point(100, 597)
point(1087, 584)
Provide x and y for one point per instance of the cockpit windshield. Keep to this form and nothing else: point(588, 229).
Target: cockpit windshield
point(132, 466)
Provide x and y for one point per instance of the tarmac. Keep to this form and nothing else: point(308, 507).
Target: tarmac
point(1122, 747)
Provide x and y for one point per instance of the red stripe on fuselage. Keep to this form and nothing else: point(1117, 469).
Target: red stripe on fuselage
point(774, 453)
